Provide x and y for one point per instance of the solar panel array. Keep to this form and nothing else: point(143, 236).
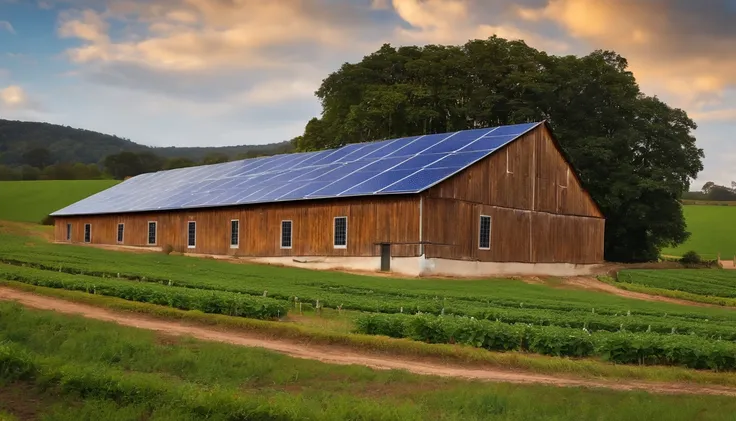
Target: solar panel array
point(405, 165)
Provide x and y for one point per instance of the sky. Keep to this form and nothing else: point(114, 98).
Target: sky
point(231, 72)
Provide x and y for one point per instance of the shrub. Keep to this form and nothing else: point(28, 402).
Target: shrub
point(47, 220)
point(167, 249)
point(691, 258)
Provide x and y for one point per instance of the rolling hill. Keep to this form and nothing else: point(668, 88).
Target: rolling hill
point(67, 144)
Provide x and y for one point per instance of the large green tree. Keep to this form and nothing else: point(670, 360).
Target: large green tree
point(635, 154)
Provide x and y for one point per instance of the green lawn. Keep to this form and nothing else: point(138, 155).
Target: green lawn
point(713, 231)
point(70, 368)
point(31, 201)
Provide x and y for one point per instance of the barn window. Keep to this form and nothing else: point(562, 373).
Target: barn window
point(286, 234)
point(191, 234)
point(234, 233)
point(121, 229)
point(484, 240)
point(87, 233)
point(68, 232)
point(341, 232)
point(152, 232)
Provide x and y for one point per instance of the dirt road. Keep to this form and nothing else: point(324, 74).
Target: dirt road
point(339, 355)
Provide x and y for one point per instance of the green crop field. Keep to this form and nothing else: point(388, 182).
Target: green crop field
point(69, 368)
point(713, 231)
point(494, 315)
point(31, 201)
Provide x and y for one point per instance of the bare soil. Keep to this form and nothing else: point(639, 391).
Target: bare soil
point(346, 356)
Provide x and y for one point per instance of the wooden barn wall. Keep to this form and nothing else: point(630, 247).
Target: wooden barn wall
point(373, 220)
point(516, 235)
point(539, 211)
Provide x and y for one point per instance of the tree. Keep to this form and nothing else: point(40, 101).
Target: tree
point(215, 158)
point(178, 163)
point(28, 172)
point(8, 174)
point(130, 164)
point(708, 186)
point(635, 154)
point(38, 157)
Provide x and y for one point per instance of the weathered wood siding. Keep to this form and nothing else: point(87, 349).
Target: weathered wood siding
point(370, 220)
point(538, 209)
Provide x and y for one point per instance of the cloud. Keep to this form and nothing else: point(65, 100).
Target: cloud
point(14, 97)
point(679, 47)
point(202, 35)
point(6, 26)
point(725, 114)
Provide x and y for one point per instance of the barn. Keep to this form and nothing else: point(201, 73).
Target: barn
point(492, 201)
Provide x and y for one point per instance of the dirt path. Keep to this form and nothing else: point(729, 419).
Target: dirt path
point(596, 285)
point(343, 356)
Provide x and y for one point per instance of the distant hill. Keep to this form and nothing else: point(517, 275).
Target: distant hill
point(71, 145)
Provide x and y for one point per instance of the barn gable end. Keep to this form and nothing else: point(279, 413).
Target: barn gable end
point(538, 208)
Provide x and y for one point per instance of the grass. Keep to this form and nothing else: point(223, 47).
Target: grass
point(31, 201)
point(111, 372)
point(713, 231)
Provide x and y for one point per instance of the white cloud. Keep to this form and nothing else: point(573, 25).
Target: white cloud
point(14, 96)
point(6, 26)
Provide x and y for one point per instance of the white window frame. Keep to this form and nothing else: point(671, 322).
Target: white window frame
point(191, 246)
point(155, 233)
point(334, 232)
point(117, 233)
point(480, 232)
point(68, 232)
point(237, 244)
point(87, 227)
point(291, 234)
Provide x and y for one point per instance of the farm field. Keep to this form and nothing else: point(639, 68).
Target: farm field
point(498, 315)
point(31, 201)
point(713, 231)
point(69, 368)
point(501, 324)
point(707, 286)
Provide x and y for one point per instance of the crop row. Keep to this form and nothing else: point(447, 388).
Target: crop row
point(719, 284)
point(506, 309)
point(218, 302)
point(590, 319)
point(222, 302)
point(619, 347)
point(332, 289)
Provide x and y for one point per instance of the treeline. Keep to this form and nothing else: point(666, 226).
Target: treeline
point(714, 192)
point(130, 164)
point(118, 166)
point(66, 144)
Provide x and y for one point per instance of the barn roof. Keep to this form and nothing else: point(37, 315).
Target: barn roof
point(397, 166)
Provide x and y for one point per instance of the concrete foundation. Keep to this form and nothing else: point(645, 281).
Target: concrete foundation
point(421, 266)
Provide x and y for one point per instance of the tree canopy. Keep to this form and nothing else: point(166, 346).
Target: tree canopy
point(635, 154)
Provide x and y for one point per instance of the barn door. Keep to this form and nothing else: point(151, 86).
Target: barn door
point(385, 257)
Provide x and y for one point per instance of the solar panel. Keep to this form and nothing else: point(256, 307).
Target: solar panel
point(396, 166)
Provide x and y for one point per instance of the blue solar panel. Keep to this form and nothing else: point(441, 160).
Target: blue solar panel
point(420, 179)
point(376, 183)
point(405, 165)
point(391, 147)
point(458, 160)
point(488, 143)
